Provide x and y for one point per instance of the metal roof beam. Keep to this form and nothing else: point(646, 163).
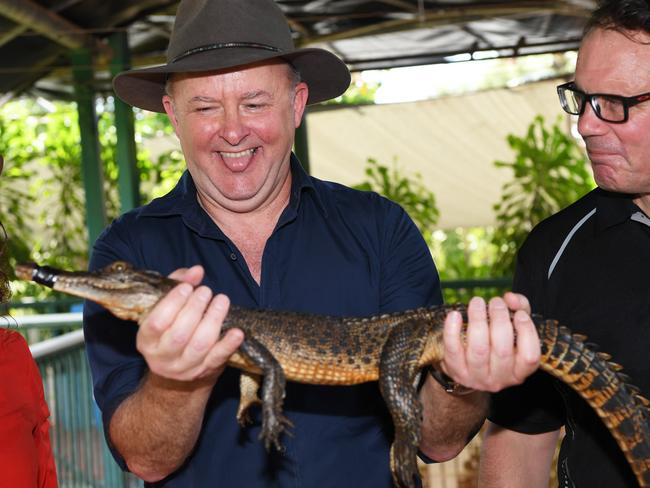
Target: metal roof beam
point(451, 16)
point(11, 34)
point(32, 15)
point(406, 6)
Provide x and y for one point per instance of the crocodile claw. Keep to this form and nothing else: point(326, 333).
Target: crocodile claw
point(272, 426)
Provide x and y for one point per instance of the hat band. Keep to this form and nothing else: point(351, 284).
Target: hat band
point(225, 45)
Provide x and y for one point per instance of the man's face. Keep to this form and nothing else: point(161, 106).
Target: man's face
point(609, 62)
point(236, 129)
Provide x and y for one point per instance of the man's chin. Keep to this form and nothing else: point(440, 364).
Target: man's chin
point(604, 177)
point(615, 187)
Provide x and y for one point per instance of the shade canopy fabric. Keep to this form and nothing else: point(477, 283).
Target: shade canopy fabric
point(452, 142)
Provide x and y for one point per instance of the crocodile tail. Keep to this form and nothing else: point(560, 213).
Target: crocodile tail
point(599, 382)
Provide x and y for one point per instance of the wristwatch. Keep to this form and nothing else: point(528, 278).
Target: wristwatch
point(448, 384)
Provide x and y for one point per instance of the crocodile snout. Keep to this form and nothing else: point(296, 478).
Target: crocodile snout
point(25, 271)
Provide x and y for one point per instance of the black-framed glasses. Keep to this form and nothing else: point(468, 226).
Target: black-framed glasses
point(607, 107)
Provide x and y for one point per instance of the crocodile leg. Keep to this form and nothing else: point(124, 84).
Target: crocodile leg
point(273, 390)
point(398, 371)
point(249, 385)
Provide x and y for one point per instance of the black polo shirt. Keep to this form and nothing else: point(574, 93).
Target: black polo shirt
point(589, 267)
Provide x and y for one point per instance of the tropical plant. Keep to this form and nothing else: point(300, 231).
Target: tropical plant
point(41, 188)
point(14, 196)
point(463, 256)
point(550, 171)
point(358, 93)
point(459, 253)
point(409, 192)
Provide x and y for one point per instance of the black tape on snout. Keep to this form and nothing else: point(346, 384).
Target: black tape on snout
point(45, 275)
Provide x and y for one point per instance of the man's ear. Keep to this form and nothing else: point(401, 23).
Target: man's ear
point(168, 104)
point(300, 102)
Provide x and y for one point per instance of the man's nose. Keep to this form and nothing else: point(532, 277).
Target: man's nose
point(234, 129)
point(589, 123)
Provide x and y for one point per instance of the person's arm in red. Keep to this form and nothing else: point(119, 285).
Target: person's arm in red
point(26, 457)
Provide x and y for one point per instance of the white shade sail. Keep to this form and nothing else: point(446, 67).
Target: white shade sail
point(452, 142)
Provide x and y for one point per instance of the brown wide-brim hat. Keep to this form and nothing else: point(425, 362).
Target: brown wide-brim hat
point(211, 35)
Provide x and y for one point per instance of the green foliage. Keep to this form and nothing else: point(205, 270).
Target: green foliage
point(40, 176)
point(14, 196)
point(463, 253)
point(158, 174)
point(358, 93)
point(59, 221)
point(459, 254)
point(42, 202)
point(410, 193)
point(550, 171)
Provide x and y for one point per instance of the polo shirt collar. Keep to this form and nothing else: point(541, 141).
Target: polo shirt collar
point(641, 217)
point(613, 209)
point(181, 200)
point(302, 183)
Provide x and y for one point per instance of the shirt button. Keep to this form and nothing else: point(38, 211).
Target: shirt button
point(233, 256)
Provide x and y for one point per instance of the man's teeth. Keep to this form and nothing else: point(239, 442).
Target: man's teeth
point(241, 154)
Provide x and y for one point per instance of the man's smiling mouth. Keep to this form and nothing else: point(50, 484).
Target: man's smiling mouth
point(240, 154)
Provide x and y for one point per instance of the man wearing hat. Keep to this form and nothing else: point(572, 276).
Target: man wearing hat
point(266, 236)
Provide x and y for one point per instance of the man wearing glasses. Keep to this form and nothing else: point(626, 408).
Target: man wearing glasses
point(588, 266)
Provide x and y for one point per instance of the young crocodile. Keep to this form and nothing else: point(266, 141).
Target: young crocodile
point(392, 349)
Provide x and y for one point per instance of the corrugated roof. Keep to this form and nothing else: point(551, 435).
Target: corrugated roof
point(36, 35)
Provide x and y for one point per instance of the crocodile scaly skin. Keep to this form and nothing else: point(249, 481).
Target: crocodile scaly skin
point(392, 349)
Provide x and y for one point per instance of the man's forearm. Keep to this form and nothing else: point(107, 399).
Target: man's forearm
point(449, 421)
point(156, 428)
point(516, 460)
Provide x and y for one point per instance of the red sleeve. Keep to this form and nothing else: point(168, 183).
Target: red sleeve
point(26, 457)
point(46, 466)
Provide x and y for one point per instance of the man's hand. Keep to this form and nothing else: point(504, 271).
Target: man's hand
point(180, 337)
point(489, 358)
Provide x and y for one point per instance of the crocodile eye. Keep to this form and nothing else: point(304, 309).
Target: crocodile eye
point(119, 266)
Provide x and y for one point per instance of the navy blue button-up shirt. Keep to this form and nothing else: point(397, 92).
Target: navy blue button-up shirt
point(334, 251)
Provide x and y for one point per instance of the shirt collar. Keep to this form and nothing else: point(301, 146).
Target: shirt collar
point(181, 200)
point(613, 209)
point(641, 217)
point(302, 183)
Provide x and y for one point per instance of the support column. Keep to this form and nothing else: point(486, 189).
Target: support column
point(91, 167)
point(128, 179)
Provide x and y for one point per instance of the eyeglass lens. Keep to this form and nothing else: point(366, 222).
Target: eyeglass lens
point(607, 108)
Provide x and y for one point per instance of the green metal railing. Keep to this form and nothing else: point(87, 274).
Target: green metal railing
point(82, 457)
point(58, 304)
point(455, 291)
